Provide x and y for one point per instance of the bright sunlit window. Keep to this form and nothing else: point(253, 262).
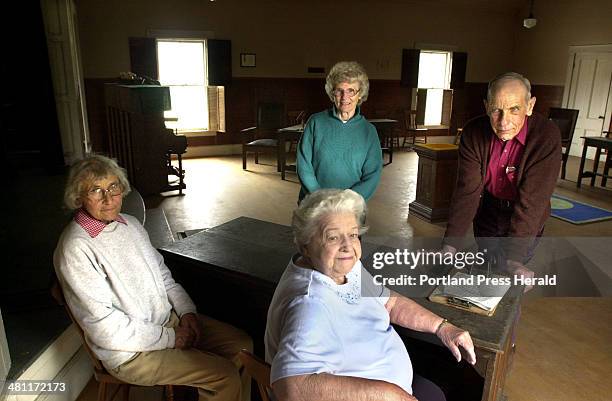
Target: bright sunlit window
point(434, 75)
point(182, 67)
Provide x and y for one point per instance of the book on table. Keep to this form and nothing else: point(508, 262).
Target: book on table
point(475, 293)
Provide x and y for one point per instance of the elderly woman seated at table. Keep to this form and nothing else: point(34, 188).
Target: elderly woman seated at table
point(137, 320)
point(329, 334)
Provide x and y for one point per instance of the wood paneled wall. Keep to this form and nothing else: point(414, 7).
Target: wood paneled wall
point(243, 95)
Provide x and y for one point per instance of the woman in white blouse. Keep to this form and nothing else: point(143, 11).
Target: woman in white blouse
point(329, 334)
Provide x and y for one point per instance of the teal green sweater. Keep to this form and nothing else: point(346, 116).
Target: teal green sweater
point(333, 154)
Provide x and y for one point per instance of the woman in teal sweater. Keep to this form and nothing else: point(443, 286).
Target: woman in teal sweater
point(340, 148)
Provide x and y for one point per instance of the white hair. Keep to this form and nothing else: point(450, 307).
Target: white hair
point(307, 217)
point(85, 172)
point(505, 77)
point(347, 71)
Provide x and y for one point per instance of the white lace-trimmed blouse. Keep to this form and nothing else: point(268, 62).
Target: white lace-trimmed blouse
point(317, 326)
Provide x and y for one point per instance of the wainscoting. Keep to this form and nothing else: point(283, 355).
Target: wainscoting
point(243, 95)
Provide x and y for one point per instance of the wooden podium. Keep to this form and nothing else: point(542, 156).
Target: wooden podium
point(435, 181)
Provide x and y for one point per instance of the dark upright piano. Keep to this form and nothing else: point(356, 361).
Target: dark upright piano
point(139, 140)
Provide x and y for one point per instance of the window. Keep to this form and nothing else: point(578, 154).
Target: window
point(182, 67)
point(434, 97)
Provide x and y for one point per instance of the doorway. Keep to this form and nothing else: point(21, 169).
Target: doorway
point(588, 89)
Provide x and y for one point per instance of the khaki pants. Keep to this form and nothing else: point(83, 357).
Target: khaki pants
point(212, 366)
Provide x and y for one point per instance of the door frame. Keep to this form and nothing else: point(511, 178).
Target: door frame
point(5, 356)
point(573, 51)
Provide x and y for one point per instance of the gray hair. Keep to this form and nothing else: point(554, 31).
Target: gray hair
point(348, 71)
point(85, 172)
point(505, 77)
point(307, 217)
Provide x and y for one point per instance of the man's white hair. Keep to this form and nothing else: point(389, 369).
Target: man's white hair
point(503, 78)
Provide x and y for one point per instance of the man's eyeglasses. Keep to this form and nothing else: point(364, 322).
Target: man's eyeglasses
point(100, 193)
point(350, 92)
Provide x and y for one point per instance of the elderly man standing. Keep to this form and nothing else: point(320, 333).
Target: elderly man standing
point(508, 168)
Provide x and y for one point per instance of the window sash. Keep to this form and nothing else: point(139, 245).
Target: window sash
point(182, 67)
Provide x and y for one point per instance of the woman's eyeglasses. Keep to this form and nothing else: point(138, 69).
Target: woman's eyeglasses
point(100, 193)
point(350, 92)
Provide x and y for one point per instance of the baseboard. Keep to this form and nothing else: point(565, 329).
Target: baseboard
point(76, 374)
point(213, 150)
point(55, 357)
point(64, 360)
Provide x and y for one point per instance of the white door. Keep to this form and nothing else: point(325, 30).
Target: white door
point(589, 92)
point(5, 358)
point(64, 58)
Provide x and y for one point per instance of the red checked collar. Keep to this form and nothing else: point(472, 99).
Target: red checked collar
point(92, 226)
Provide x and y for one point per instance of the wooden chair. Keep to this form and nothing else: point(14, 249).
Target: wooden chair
point(566, 121)
point(100, 373)
point(392, 136)
point(262, 137)
point(259, 370)
point(458, 136)
point(411, 130)
point(295, 117)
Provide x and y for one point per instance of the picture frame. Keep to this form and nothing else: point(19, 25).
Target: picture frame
point(247, 60)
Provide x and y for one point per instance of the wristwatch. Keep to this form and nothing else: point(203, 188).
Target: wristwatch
point(442, 323)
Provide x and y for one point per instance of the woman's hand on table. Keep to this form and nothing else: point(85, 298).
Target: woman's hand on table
point(454, 338)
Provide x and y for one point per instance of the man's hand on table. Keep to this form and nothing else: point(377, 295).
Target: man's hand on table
point(518, 269)
point(449, 249)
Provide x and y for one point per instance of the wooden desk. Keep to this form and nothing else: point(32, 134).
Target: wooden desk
point(231, 272)
point(384, 128)
point(599, 143)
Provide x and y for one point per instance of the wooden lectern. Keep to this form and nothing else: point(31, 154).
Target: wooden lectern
point(435, 181)
point(138, 137)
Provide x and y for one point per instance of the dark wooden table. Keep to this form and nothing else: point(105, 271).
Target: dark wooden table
point(599, 143)
point(231, 272)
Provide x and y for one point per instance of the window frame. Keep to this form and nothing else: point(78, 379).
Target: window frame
point(192, 131)
point(447, 87)
point(205, 36)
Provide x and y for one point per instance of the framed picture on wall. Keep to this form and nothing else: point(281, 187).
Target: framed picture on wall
point(247, 59)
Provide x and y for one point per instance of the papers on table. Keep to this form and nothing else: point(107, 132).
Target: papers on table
point(472, 291)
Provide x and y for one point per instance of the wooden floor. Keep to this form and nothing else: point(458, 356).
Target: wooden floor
point(564, 349)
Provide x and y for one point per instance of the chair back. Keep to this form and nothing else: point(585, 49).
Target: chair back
point(410, 119)
point(259, 370)
point(296, 117)
point(381, 113)
point(458, 136)
point(566, 121)
point(270, 116)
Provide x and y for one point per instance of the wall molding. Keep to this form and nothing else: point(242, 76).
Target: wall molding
point(213, 150)
point(603, 48)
